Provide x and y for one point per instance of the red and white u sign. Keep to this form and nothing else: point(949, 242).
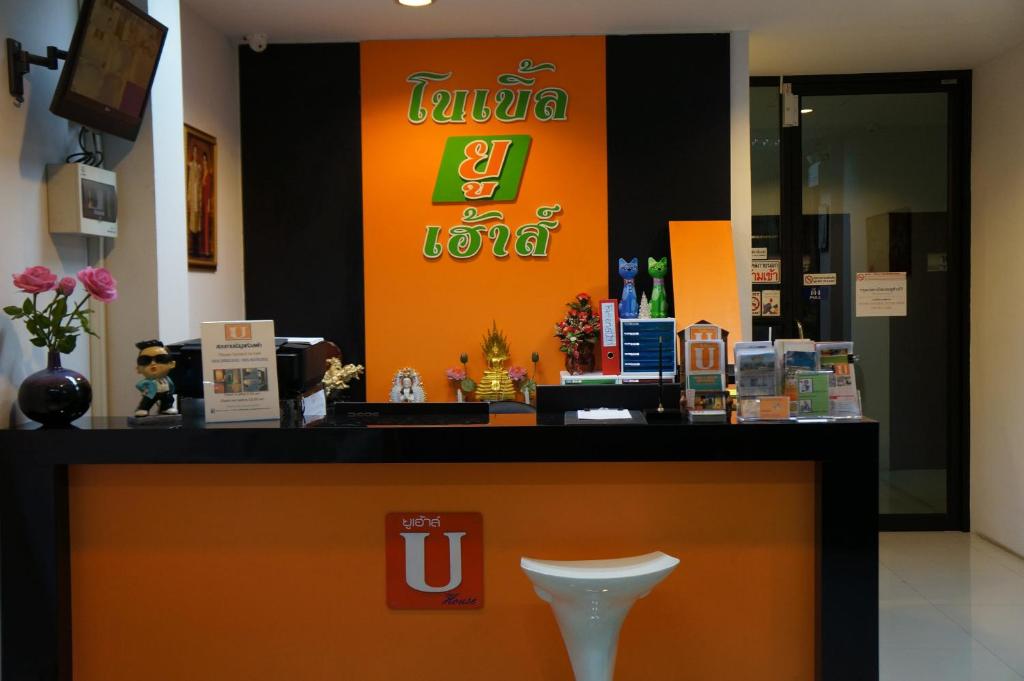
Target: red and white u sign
point(434, 560)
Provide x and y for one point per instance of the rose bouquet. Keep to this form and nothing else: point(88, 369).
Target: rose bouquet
point(577, 334)
point(56, 326)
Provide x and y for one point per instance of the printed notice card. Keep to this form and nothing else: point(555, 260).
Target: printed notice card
point(240, 371)
point(881, 294)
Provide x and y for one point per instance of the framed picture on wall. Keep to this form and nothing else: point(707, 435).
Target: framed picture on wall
point(201, 198)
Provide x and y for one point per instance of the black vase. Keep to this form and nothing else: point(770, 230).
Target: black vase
point(54, 396)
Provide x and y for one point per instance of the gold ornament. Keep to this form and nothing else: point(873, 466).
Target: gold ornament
point(339, 377)
point(495, 385)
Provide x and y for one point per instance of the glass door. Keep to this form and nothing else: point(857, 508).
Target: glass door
point(872, 182)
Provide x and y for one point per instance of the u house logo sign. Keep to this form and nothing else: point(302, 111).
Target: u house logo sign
point(434, 561)
point(237, 332)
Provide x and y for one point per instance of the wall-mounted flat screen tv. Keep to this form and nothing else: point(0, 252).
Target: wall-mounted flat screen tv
point(110, 67)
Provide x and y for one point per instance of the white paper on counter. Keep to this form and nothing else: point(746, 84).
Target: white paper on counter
point(603, 414)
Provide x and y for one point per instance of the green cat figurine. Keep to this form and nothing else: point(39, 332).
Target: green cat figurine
point(659, 302)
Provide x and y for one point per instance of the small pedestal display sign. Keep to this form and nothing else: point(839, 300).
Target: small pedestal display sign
point(240, 371)
point(435, 561)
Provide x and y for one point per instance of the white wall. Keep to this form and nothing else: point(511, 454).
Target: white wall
point(740, 188)
point(148, 256)
point(210, 80)
point(31, 137)
point(997, 321)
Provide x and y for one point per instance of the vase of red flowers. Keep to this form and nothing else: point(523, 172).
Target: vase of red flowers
point(577, 334)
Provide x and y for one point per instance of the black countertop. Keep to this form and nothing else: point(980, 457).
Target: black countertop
point(35, 555)
point(507, 438)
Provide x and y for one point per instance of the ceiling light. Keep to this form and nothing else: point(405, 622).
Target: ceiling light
point(807, 110)
point(415, 3)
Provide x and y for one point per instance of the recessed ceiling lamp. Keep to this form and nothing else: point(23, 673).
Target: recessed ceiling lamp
point(414, 3)
point(807, 110)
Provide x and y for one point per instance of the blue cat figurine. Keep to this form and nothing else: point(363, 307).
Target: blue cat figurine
point(629, 307)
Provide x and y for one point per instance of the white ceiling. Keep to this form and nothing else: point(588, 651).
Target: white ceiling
point(786, 36)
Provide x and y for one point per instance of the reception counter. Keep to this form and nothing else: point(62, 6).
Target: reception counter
point(258, 553)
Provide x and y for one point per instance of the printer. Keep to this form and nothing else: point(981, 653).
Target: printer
point(301, 363)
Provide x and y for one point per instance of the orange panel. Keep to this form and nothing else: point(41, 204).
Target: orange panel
point(422, 312)
point(704, 276)
point(276, 572)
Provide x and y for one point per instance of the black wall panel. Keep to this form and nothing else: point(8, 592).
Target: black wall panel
point(302, 192)
point(668, 143)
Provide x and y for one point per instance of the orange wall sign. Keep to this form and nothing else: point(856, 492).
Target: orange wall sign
point(484, 198)
point(435, 561)
point(704, 275)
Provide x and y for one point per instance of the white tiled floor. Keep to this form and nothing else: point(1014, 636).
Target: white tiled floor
point(951, 608)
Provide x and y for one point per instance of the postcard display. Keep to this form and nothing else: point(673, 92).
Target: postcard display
point(796, 379)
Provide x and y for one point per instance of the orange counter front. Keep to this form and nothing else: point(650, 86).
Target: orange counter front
point(265, 573)
point(259, 555)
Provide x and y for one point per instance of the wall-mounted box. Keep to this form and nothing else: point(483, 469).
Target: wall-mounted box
point(82, 199)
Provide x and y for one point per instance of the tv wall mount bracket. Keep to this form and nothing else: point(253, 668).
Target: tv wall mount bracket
point(19, 61)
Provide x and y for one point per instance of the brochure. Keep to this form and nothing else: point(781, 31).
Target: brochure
point(844, 398)
point(755, 369)
point(832, 353)
point(808, 393)
point(783, 345)
point(763, 409)
point(800, 360)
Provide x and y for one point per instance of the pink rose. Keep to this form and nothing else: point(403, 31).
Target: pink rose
point(455, 374)
point(517, 373)
point(67, 286)
point(98, 282)
point(36, 279)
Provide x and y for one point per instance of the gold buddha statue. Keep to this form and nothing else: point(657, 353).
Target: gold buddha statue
point(495, 385)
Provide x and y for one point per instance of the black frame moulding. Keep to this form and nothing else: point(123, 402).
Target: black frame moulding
point(957, 85)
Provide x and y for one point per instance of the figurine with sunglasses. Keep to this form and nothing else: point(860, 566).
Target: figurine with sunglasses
point(156, 386)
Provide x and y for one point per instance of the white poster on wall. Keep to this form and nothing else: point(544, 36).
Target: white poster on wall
point(881, 294)
point(240, 371)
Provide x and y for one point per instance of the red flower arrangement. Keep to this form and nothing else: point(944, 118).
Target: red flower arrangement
point(580, 325)
point(577, 334)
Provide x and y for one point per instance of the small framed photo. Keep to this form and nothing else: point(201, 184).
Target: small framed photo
point(201, 198)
